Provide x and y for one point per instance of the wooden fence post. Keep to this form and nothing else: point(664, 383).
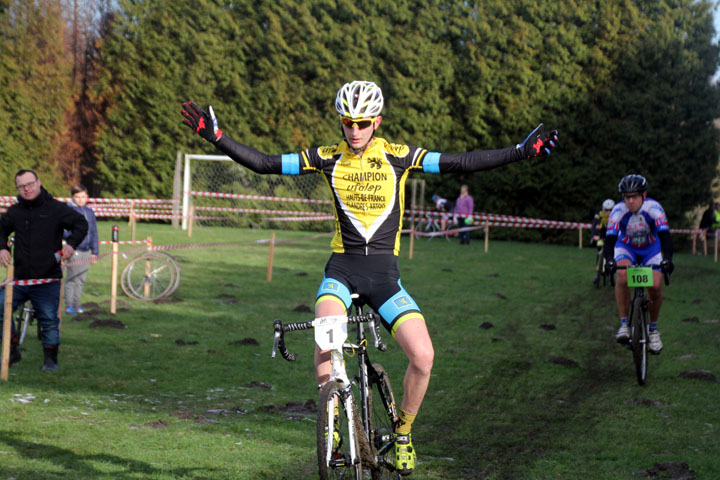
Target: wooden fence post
point(272, 253)
point(191, 214)
point(7, 325)
point(487, 237)
point(412, 241)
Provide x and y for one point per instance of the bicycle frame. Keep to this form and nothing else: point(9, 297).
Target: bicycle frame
point(329, 331)
point(638, 341)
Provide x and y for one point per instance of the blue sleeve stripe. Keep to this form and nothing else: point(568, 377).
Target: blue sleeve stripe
point(291, 164)
point(431, 162)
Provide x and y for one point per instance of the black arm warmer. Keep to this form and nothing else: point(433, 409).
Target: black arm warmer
point(248, 157)
point(609, 247)
point(479, 159)
point(666, 244)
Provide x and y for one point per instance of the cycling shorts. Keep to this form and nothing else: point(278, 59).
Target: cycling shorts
point(376, 278)
point(639, 256)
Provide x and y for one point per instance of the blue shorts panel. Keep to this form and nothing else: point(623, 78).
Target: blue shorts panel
point(376, 279)
point(331, 286)
point(645, 256)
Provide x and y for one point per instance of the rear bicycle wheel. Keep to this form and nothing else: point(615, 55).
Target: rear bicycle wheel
point(338, 455)
point(383, 413)
point(639, 337)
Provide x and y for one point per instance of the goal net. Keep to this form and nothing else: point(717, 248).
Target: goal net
point(221, 192)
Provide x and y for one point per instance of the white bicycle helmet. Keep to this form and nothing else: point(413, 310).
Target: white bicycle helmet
point(359, 99)
point(608, 204)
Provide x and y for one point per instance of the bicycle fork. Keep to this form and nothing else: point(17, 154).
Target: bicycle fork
point(349, 407)
point(339, 373)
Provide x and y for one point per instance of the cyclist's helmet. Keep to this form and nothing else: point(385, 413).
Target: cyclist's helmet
point(608, 204)
point(435, 197)
point(359, 99)
point(632, 184)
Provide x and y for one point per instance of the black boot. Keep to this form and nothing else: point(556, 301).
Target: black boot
point(50, 363)
point(15, 355)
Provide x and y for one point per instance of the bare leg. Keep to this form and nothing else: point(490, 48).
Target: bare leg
point(622, 291)
point(323, 366)
point(414, 339)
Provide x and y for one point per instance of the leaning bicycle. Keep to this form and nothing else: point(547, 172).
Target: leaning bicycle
point(638, 278)
point(354, 438)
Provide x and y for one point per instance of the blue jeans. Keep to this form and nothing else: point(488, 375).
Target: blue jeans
point(45, 300)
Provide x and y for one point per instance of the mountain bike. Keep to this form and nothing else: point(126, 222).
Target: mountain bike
point(352, 439)
point(638, 278)
point(432, 223)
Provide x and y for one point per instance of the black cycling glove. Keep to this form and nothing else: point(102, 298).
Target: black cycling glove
point(667, 266)
point(202, 123)
point(537, 143)
point(610, 267)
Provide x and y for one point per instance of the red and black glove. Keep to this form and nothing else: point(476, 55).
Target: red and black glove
point(202, 122)
point(537, 143)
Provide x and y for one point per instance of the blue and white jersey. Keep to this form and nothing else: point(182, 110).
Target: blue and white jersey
point(637, 230)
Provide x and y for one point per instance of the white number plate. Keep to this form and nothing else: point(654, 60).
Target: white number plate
point(330, 332)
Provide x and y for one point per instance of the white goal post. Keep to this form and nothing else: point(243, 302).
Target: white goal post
point(226, 193)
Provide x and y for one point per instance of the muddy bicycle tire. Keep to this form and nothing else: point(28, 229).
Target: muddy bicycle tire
point(341, 466)
point(638, 325)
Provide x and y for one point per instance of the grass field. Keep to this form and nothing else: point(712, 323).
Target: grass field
point(528, 382)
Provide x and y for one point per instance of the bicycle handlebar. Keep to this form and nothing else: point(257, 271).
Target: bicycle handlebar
point(279, 330)
point(666, 275)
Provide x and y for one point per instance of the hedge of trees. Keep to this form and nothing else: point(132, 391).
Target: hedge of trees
point(626, 82)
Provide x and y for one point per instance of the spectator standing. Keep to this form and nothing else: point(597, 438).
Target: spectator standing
point(38, 222)
point(463, 212)
point(86, 252)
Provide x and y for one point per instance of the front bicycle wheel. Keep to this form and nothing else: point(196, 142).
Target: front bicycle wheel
point(23, 319)
point(639, 339)
point(600, 274)
point(337, 436)
point(150, 276)
point(383, 413)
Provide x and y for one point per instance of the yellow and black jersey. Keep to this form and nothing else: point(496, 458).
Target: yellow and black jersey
point(369, 188)
point(600, 223)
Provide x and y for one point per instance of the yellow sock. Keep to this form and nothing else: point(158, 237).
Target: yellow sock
point(404, 423)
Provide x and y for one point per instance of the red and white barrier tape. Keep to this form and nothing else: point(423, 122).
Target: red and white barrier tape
point(105, 200)
point(257, 197)
point(123, 242)
point(260, 210)
point(299, 219)
point(34, 281)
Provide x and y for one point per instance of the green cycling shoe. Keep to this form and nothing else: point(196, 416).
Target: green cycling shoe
point(404, 454)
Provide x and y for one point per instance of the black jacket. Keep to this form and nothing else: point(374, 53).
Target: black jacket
point(38, 226)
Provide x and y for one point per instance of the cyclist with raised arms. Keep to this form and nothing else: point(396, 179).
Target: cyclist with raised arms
point(638, 234)
point(367, 177)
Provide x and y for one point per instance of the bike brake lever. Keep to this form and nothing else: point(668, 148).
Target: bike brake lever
point(376, 335)
point(277, 326)
point(275, 344)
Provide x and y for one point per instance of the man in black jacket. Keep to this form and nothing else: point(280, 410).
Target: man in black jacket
point(39, 221)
